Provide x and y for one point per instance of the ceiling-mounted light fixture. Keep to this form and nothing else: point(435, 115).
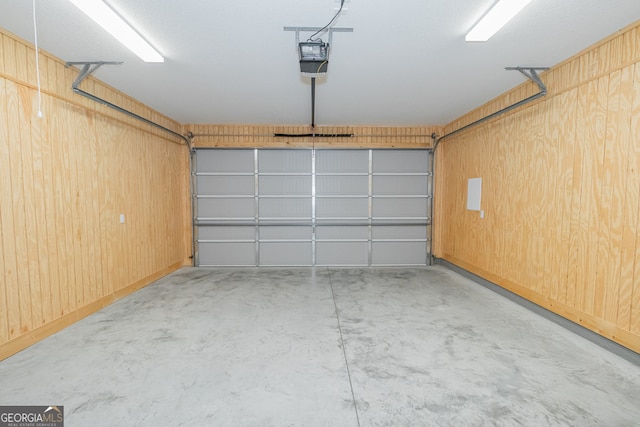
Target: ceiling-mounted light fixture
point(104, 16)
point(501, 13)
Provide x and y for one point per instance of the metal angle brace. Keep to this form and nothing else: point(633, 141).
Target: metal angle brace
point(89, 67)
point(331, 30)
point(531, 74)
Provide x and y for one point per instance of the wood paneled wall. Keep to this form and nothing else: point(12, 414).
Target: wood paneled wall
point(561, 190)
point(64, 181)
point(261, 136)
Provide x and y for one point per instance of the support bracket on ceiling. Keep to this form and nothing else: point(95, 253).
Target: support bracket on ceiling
point(330, 30)
point(89, 67)
point(532, 74)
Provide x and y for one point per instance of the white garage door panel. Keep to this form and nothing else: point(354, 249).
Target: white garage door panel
point(398, 253)
point(345, 161)
point(284, 161)
point(327, 185)
point(342, 253)
point(227, 233)
point(400, 207)
point(229, 161)
point(282, 208)
point(286, 254)
point(284, 185)
point(226, 185)
point(346, 208)
point(335, 232)
point(401, 185)
point(224, 208)
point(400, 161)
point(398, 232)
point(227, 254)
point(312, 207)
point(288, 232)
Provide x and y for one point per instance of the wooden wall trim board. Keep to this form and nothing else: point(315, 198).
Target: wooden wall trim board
point(602, 327)
point(561, 194)
point(261, 136)
point(11, 347)
point(64, 180)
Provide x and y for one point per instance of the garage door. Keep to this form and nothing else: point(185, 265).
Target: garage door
point(303, 207)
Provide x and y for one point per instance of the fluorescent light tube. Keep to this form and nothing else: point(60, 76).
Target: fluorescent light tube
point(501, 13)
point(104, 16)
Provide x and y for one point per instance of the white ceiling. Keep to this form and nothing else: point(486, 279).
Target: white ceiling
point(405, 64)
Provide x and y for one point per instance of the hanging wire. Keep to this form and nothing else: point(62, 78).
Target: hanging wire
point(311, 38)
point(35, 32)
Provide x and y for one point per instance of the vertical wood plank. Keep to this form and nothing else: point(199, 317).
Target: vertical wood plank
point(50, 194)
point(552, 226)
point(61, 233)
point(22, 70)
point(4, 321)
point(585, 138)
point(9, 50)
point(635, 295)
point(2, 71)
point(630, 46)
point(619, 190)
point(90, 243)
point(9, 286)
point(576, 244)
point(32, 78)
point(31, 194)
point(598, 225)
point(535, 259)
point(71, 259)
point(616, 52)
point(108, 213)
point(49, 82)
point(631, 207)
point(603, 62)
point(520, 272)
point(123, 258)
point(566, 177)
point(630, 289)
point(39, 232)
point(75, 129)
point(19, 222)
point(585, 67)
point(608, 263)
point(83, 163)
point(95, 253)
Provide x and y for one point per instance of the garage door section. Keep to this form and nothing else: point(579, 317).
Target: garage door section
point(225, 230)
point(401, 205)
point(300, 207)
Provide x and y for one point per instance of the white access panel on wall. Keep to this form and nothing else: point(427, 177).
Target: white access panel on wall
point(301, 207)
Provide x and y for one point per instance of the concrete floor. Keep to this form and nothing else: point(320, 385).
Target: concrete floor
point(264, 347)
